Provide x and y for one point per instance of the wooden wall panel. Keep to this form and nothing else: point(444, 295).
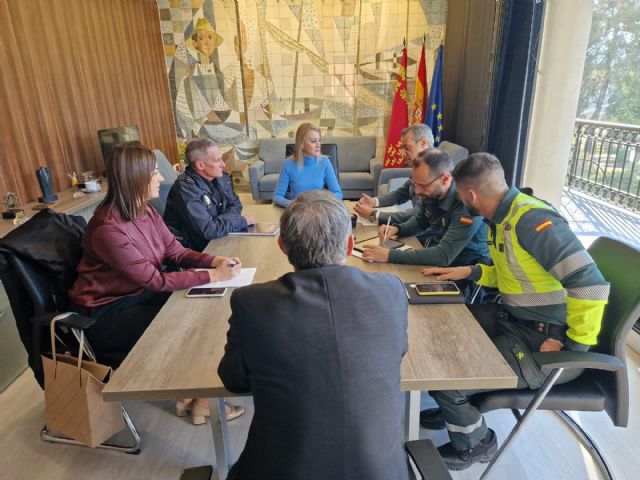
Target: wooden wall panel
point(70, 68)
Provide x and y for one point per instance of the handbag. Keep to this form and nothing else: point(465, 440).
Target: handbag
point(73, 396)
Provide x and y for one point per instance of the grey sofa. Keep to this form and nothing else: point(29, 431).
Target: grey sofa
point(358, 169)
point(455, 152)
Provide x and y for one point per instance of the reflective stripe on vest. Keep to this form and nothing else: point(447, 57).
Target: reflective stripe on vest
point(570, 265)
point(522, 281)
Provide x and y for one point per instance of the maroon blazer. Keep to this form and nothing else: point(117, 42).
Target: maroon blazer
point(122, 258)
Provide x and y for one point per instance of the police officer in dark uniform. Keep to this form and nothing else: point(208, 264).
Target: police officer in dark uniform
point(202, 204)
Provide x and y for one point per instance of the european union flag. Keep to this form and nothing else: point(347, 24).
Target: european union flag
point(434, 110)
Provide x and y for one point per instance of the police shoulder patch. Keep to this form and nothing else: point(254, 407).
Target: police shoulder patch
point(543, 225)
point(466, 220)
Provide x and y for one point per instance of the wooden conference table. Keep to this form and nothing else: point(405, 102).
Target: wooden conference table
point(178, 355)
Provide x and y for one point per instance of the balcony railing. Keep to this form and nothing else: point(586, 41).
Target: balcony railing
point(604, 162)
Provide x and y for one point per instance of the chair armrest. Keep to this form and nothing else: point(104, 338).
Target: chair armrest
point(375, 166)
point(387, 174)
point(72, 320)
point(256, 172)
point(572, 359)
point(427, 460)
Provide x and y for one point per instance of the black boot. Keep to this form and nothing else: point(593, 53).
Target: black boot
point(431, 419)
point(462, 459)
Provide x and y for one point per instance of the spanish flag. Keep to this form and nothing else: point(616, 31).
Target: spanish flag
point(399, 117)
point(543, 225)
point(420, 99)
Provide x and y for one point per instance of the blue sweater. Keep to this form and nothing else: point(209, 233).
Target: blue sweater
point(315, 175)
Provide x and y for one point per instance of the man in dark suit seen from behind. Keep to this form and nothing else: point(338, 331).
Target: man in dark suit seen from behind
point(322, 363)
point(202, 205)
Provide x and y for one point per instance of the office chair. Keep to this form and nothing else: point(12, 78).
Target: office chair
point(170, 175)
point(604, 384)
point(37, 269)
point(328, 149)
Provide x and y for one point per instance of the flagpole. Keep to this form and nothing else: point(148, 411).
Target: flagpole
point(295, 68)
point(407, 26)
point(356, 73)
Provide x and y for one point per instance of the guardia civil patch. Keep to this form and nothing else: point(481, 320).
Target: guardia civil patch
point(543, 225)
point(466, 220)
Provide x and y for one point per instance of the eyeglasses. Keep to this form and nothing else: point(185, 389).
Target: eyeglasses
point(424, 185)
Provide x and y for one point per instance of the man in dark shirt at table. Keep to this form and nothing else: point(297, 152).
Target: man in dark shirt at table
point(323, 364)
point(202, 204)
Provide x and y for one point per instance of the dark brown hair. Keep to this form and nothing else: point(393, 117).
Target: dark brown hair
point(129, 170)
point(476, 168)
point(437, 161)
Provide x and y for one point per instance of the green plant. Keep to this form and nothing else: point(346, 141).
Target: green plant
point(182, 159)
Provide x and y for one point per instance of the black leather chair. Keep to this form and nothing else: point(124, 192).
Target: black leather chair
point(328, 149)
point(604, 385)
point(37, 268)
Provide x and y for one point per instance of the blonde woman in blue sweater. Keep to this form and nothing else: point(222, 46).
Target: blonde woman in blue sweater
point(307, 169)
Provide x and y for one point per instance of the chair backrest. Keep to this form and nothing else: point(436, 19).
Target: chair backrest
point(328, 149)
point(619, 263)
point(166, 169)
point(170, 175)
point(355, 152)
point(270, 151)
point(456, 152)
point(396, 183)
point(38, 263)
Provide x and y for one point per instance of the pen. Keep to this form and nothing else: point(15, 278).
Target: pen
point(386, 230)
point(231, 264)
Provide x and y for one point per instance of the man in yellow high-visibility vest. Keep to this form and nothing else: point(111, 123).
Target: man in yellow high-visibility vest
point(553, 295)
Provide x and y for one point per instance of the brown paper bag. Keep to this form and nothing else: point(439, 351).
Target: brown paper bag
point(73, 398)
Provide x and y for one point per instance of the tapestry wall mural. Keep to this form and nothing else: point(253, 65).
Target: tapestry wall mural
point(241, 70)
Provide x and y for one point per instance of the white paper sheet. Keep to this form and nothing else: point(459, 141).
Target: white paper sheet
point(245, 277)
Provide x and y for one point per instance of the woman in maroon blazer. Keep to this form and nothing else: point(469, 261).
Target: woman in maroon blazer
point(120, 281)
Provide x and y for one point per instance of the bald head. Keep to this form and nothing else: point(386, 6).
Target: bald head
point(483, 173)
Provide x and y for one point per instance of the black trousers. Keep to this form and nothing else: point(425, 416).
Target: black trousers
point(465, 425)
point(120, 324)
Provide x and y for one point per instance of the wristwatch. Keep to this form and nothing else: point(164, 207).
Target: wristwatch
point(373, 216)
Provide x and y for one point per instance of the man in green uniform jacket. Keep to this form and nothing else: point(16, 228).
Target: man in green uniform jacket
point(455, 236)
point(552, 292)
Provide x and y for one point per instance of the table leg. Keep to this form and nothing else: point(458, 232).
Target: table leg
point(220, 436)
point(412, 415)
